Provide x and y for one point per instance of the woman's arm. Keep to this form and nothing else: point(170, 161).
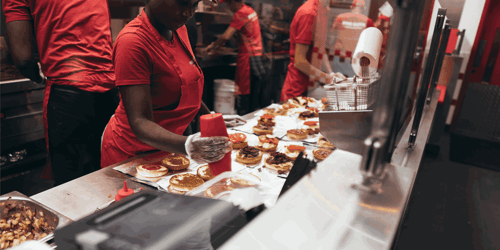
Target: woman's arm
point(203, 109)
point(138, 106)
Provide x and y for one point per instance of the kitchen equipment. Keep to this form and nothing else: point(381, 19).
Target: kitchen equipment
point(154, 220)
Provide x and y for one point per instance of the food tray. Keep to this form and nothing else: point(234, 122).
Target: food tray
point(53, 218)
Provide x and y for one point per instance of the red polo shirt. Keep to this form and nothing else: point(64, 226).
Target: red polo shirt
point(73, 39)
point(246, 21)
point(301, 31)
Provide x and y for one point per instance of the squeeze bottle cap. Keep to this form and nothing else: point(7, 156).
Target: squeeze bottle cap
point(124, 192)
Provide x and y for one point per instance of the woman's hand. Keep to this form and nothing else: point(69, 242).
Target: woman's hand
point(207, 149)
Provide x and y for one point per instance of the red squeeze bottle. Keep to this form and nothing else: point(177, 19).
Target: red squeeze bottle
point(214, 125)
point(124, 192)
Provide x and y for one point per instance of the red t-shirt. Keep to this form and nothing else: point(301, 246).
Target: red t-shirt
point(246, 21)
point(73, 39)
point(301, 31)
point(140, 58)
point(349, 27)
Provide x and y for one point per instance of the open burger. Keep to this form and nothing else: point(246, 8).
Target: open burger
point(293, 151)
point(278, 162)
point(249, 155)
point(239, 140)
point(204, 172)
point(151, 170)
point(324, 143)
point(308, 114)
point(312, 127)
point(175, 162)
point(185, 182)
point(267, 120)
point(297, 134)
point(321, 153)
point(263, 129)
point(267, 143)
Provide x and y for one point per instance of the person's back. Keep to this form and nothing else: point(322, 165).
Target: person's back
point(73, 39)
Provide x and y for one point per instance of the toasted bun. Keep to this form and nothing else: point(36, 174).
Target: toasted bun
point(185, 182)
point(279, 167)
point(174, 191)
point(204, 172)
point(175, 162)
point(240, 144)
point(248, 160)
point(260, 131)
point(321, 153)
point(294, 136)
point(151, 170)
point(213, 191)
point(324, 143)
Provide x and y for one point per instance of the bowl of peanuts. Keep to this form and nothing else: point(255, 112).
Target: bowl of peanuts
point(23, 219)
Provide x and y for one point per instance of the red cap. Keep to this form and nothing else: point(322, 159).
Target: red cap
point(124, 192)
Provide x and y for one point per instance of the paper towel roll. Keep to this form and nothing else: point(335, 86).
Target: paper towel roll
point(369, 45)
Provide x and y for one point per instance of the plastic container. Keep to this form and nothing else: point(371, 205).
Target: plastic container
point(224, 96)
point(227, 179)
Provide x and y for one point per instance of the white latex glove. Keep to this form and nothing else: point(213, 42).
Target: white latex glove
point(207, 149)
point(233, 120)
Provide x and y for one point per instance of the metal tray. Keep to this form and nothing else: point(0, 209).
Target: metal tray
point(53, 218)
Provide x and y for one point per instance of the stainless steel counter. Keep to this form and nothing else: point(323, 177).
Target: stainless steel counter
point(81, 197)
point(323, 211)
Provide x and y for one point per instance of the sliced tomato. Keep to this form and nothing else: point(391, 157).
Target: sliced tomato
point(296, 147)
point(310, 123)
point(264, 138)
point(237, 137)
point(267, 116)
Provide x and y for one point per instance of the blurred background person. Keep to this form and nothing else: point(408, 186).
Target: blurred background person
point(250, 70)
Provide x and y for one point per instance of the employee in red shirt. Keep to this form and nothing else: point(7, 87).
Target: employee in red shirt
point(249, 67)
point(346, 30)
point(300, 70)
point(161, 86)
point(73, 39)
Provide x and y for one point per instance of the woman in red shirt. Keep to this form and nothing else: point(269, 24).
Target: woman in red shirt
point(160, 86)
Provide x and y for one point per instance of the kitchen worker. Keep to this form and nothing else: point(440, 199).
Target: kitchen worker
point(346, 30)
point(250, 70)
point(300, 71)
point(73, 39)
point(161, 86)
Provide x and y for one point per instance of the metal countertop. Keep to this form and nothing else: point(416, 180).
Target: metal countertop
point(323, 211)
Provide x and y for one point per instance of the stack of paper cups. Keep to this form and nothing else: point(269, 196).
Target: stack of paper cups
point(369, 45)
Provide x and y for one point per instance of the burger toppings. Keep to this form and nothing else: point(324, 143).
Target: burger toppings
point(237, 137)
point(296, 148)
point(249, 152)
point(176, 161)
point(323, 152)
point(270, 139)
point(324, 100)
point(310, 123)
point(313, 109)
point(264, 127)
point(267, 116)
point(308, 114)
point(151, 167)
point(281, 112)
point(278, 158)
point(297, 131)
